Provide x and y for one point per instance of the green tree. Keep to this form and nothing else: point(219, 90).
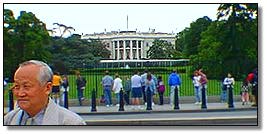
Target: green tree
point(74, 52)
point(230, 43)
point(161, 49)
point(25, 38)
point(187, 41)
point(181, 43)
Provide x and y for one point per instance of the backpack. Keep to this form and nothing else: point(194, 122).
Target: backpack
point(161, 87)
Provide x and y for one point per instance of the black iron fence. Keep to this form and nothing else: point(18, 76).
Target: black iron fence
point(94, 77)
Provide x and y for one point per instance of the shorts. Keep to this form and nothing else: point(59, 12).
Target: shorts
point(55, 89)
point(136, 92)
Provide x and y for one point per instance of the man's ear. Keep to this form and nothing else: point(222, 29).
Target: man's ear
point(48, 87)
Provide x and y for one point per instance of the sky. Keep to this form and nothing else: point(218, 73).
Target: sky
point(95, 18)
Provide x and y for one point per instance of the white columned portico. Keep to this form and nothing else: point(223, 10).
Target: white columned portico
point(118, 50)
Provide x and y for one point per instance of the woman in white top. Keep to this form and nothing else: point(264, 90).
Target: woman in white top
point(229, 81)
point(117, 87)
point(196, 82)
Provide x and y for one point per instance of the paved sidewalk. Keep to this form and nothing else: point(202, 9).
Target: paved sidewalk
point(159, 108)
point(186, 107)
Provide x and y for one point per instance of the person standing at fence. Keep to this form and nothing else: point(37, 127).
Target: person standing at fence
point(155, 90)
point(224, 91)
point(107, 82)
point(150, 85)
point(81, 84)
point(252, 78)
point(117, 87)
point(65, 86)
point(245, 92)
point(196, 83)
point(143, 79)
point(57, 80)
point(127, 90)
point(174, 82)
point(161, 90)
point(32, 86)
point(203, 83)
point(136, 90)
point(229, 82)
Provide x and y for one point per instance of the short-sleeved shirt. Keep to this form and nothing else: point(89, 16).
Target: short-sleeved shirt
point(136, 81)
point(56, 80)
point(107, 80)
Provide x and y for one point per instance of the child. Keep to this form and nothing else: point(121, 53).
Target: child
point(244, 92)
point(161, 89)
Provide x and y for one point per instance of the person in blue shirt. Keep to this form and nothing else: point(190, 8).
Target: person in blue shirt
point(150, 85)
point(174, 81)
point(107, 83)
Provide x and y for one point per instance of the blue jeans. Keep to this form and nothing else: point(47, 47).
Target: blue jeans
point(118, 98)
point(107, 95)
point(80, 96)
point(224, 95)
point(197, 94)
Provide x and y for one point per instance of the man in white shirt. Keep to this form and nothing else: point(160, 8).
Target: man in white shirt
point(136, 89)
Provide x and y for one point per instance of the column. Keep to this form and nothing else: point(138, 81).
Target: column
point(142, 48)
point(113, 49)
point(124, 50)
point(118, 50)
point(131, 49)
point(137, 49)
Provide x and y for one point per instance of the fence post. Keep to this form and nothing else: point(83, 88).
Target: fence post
point(176, 98)
point(148, 99)
point(121, 101)
point(230, 97)
point(66, 101)
point(93, 109)
point(203, 96)
point(11, 101)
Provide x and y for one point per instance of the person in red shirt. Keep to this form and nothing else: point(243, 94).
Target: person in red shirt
point(252, 80)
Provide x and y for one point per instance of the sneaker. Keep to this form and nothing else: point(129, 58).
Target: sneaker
point(196, 103)
point(243, 103)
point(145, 103)
point(153, 103)
point(117, 105)
point(107, 105)
point(82, 98)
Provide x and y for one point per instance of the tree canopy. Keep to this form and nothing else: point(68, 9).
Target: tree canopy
point(230, 43)
point(24, 38)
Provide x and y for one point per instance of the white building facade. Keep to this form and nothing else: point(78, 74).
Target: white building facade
point(129, 45)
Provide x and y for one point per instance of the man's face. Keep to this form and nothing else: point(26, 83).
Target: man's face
point(31, 95)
